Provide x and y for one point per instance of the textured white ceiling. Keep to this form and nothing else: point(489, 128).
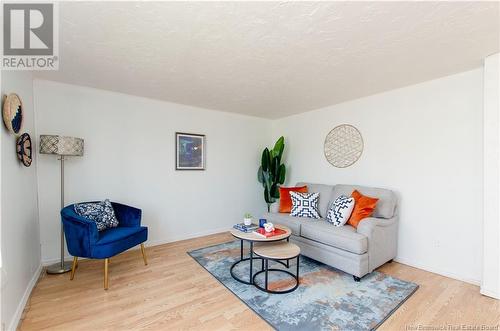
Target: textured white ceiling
point(269, 59)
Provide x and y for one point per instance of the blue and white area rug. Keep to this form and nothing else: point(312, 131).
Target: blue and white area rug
point(326, 299)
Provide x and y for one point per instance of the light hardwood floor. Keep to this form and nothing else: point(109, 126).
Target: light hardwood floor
point(175, 293)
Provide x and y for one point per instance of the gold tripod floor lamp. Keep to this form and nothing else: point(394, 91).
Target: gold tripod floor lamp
point(61, 146)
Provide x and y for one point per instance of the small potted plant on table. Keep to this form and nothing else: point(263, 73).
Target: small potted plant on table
point(247, 219)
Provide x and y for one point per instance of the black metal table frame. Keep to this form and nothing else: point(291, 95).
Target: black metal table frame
point(252, 258)
point(266, 271)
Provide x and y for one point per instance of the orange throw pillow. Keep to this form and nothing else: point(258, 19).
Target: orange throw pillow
point(363, 207)
point(286, 200)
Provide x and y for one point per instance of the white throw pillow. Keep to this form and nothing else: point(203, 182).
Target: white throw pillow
point(340, 210)
point(304, 204)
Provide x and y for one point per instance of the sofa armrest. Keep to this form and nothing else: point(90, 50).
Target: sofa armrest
point(127, 216)
point(81, 233)
point(372, 222)
point(382, 235)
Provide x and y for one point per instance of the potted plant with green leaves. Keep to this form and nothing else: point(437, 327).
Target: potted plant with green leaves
point(247, 219)
point(272, 172)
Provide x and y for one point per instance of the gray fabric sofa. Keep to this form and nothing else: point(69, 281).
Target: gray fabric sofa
point(355, 251)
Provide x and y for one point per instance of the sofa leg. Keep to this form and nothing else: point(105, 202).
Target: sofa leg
point(143, 250)
point(356, 278)
point(106, 273)
point(73, 267)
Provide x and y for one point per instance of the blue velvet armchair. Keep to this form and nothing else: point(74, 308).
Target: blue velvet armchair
point(83, 239)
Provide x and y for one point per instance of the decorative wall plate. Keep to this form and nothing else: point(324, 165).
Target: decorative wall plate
point(24, 149)
point(343, 146)
point(13, 113)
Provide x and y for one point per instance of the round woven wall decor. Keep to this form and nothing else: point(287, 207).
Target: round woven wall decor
point(343, 146)
point(24, 149)
point(12, 113)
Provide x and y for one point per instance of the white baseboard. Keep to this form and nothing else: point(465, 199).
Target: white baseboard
point(490, 293)
point(14, 323)
point(49, 261)
point(437, 271)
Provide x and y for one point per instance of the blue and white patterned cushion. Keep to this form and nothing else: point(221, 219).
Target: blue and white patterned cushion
point(340, 210)
point(102, 213)
point(305, 204)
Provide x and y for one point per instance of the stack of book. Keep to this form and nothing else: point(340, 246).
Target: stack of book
point(262, 233)
point(246, 228)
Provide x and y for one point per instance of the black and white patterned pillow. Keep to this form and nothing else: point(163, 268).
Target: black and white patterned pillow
point(340, 210)
point(102, 213)
point(305, 204)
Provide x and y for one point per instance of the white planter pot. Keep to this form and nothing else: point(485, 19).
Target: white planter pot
point(247, 221)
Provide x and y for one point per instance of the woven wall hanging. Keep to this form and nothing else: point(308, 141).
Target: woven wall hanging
point(24, 149)
point(343, 146)
point(12, 113)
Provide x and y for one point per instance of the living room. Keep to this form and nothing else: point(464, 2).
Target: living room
point(251, 165)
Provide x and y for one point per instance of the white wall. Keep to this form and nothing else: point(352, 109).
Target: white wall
point(20, 228)
point(490, 284)
point(130, 158)
point(424, 142)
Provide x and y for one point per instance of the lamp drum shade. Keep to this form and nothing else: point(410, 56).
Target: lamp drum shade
point(61, 145)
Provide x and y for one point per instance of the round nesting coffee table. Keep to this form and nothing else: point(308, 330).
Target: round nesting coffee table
point(251, 238)
point(276, 251)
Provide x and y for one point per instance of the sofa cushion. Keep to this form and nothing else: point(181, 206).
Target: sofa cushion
point(116, 240)
point(340, 210)
point(305, 204)
point(343, 237)
point(386, 205)
point(100, 212)
point(285, 200)
point(325, 193)
point(294, 223)
point(363, 208)
point(117, 234)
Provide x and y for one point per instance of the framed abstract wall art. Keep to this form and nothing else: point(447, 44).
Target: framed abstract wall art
point(189, 151)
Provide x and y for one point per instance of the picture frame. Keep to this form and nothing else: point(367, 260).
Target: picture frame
point(190, 151)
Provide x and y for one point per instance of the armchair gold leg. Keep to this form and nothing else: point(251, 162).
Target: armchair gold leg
point(143, 250)
point(73, 268)
point(106, 273)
